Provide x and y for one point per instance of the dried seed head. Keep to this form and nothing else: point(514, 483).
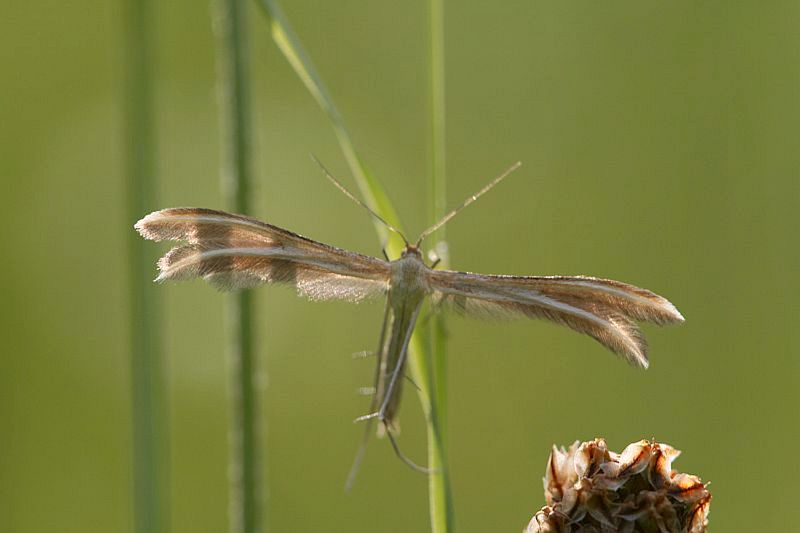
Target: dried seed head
point(590, 489)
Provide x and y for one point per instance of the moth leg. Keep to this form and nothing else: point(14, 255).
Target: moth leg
point(362, 447)
point(400, 365)
point(414, 383)
point(396, 447)
point(434, 258)
point(391, 388)
point(402, 456)
point(370, 416)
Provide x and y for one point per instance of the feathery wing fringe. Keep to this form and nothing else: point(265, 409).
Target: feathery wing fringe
point(235, 251)
point(603, 309)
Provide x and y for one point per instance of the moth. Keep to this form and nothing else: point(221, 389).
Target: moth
point(235, 251)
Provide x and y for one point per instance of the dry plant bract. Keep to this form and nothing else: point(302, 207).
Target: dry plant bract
point(589, 489)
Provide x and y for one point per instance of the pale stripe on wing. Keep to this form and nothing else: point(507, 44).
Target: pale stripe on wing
point(602, 309)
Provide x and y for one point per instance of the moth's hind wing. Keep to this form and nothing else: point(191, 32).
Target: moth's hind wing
point(606, 310)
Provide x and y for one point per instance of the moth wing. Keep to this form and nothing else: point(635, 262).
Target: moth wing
point(235, 251)
point(604, 309)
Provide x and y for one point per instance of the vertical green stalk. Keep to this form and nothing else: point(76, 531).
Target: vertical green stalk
point(440, 499)
point(148, 380)
point(235, 111)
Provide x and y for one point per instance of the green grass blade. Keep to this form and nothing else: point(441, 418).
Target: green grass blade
point(148, 380)
point(439, 491)
point(427, 343)
point(427, 367)
point(246, 510)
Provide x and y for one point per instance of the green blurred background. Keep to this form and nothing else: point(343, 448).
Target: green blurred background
point(659, 143)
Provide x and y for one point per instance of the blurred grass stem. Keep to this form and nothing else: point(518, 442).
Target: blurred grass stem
point(245, 490)
point(148, 380)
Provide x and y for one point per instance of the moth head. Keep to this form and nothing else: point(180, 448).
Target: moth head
point(411, 249)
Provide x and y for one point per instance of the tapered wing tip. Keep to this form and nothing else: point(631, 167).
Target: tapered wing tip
point(636, 356)
point(141, 225)
point(156, 225)
point(675, 315)
point(635, 351)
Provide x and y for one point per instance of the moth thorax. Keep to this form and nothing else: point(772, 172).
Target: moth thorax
point(409, 273)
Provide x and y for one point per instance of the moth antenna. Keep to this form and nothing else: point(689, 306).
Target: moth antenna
point(356, 200)
point(445, 219)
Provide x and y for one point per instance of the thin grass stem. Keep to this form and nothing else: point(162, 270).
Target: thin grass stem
point(148, 375)
point(440, 498)
point(245, 491)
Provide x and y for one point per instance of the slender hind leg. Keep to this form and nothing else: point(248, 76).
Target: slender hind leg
point(362, 447)
point(403, 457)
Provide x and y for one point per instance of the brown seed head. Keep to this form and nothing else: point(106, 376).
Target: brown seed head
point(590, 489)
